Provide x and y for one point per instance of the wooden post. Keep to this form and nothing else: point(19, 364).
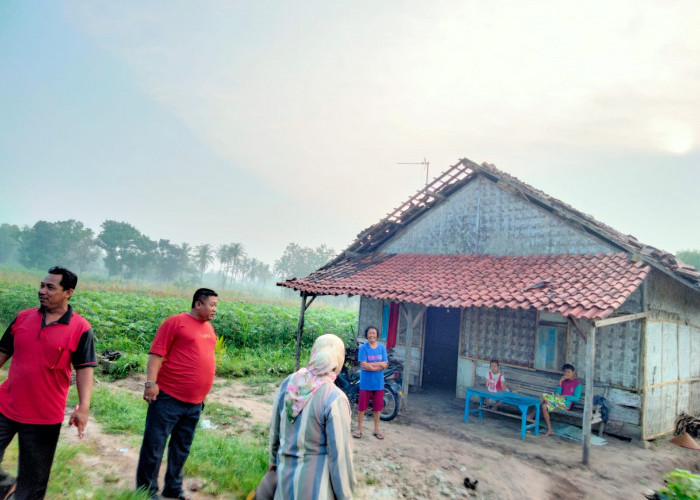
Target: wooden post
point(300, 327)
point(408, 309)
point(413, 316)
point(588, 398)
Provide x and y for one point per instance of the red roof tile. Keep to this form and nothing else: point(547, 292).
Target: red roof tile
point(582, 286)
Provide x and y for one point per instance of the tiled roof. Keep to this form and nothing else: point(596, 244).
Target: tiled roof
point(577, 285)
point(465, 171)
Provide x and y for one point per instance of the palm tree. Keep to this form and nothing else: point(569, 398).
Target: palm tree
point(223, 253)
point(237, 254)
point(203, 258)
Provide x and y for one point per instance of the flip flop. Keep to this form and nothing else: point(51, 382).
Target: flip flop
point(357, 434)
point(378, 435)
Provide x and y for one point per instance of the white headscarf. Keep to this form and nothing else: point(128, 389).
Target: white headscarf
point(327, 358)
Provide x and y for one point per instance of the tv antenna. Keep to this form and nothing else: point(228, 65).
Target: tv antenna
point(425, 163)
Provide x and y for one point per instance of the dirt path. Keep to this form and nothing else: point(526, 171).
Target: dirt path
point(429, 450)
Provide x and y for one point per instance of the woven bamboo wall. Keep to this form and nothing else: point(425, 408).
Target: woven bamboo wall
point(504, 334)
point(483, 218)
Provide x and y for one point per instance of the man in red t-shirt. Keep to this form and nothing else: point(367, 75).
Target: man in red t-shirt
point(43, 343)
point(180, 373)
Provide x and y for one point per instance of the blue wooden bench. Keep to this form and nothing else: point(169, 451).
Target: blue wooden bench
point(522, 401)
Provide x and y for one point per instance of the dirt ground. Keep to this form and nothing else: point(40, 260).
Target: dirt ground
point(429, 450)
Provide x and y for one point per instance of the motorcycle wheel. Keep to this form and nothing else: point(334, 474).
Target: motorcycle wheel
point(391, 404)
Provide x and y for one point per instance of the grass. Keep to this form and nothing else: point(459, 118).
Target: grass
point(230, 465)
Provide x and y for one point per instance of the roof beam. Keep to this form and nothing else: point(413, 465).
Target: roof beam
point(620, 319)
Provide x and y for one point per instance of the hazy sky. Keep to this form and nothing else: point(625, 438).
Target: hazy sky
point(269, 122)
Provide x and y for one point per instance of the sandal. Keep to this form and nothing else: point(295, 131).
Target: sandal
point(357, 434)
point(378, 435)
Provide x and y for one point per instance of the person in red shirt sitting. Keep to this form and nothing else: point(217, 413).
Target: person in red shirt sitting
point(180, 374)
point(43, 343)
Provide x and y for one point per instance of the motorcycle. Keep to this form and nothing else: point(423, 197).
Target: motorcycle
point(349, 382)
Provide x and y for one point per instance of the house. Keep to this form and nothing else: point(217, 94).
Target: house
point(479, 265)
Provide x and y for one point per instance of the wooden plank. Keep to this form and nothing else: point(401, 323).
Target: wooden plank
point(624, 398)
point(620, 319)
point(625, 414)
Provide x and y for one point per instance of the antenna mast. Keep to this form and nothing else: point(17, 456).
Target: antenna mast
point(425, 163)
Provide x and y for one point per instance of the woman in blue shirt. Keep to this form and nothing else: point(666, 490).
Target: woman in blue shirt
point(373, 360)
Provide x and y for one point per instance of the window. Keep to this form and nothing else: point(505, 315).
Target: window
point(550, 342)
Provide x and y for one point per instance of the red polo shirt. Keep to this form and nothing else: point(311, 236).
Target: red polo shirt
point(187, 346)
point(36, 388)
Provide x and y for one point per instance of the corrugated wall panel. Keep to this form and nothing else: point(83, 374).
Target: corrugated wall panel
point(653, 353)
point(653, 410)
point(684, 352)
point(669, 401)
point(683, 398)
point(694, 352)
point(669, 355)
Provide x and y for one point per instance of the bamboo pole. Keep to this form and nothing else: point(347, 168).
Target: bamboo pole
point(588, 398)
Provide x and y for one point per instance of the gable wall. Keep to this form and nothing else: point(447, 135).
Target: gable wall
point(483, 218)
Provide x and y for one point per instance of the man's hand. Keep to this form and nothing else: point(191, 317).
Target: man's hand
point(150, 394)
point(79, 418)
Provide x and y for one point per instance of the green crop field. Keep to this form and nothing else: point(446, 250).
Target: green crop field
point(255, 337)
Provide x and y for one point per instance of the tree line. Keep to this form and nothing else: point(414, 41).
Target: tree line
point(120, 250)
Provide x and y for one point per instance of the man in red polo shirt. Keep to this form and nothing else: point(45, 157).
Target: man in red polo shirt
point(181, 368)
point(43, 342)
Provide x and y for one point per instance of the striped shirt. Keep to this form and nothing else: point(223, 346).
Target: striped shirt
point(314, 453)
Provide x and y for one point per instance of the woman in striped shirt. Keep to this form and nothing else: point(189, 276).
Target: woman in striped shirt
point(310, 445)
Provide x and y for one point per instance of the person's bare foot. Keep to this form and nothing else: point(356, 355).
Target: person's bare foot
point(548, 433)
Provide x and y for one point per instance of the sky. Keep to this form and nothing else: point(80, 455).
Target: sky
point(266, 123)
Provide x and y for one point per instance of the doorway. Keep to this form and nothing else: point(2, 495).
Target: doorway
point(441, 346)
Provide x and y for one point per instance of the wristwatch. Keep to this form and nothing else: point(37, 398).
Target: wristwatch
point(150, 384)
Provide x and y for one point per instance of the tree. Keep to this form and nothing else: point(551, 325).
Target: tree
point(129, 253)
point(256, 270)
point(9, 241)
point(298, 261)
point(49, 243)
point(237, 253)
point(230, 256)
point(84, 249)
point(169, 261)
point(203, 258)
point(691, 257)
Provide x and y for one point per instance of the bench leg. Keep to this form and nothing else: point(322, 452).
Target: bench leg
point(523, 420)
point(601, 428)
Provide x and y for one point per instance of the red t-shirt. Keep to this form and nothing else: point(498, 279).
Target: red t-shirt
point(36, 388)
point(187, 346)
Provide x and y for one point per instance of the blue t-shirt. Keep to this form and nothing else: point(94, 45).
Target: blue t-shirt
point(371, 381)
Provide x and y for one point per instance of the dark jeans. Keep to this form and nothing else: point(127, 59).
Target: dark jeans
point(37, 445)
point(166, 416)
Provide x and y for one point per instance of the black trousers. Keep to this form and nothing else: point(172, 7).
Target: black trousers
point(166, 416)
point(37, 445)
